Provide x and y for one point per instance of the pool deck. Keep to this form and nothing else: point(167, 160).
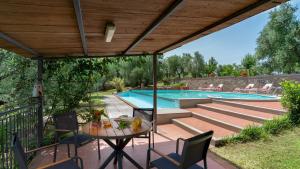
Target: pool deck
point(224, 117)
point(116, 107)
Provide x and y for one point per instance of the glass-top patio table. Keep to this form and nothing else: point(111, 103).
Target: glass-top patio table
point(122, 137)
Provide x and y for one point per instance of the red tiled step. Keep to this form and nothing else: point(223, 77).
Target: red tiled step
point(235, 121)
point(241, 110)
point(199, 126)
point(173, 132)
point(271, 105)
point(246, 105)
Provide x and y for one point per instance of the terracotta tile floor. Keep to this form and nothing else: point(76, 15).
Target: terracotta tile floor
point(206, 126)
point(90, 156)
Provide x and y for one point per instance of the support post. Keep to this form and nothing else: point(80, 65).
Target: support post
point(154, 75)
point(40, 101)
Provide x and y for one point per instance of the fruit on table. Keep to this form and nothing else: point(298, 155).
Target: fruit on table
point(136, 123)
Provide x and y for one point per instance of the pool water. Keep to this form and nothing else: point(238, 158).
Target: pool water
point(169, 98)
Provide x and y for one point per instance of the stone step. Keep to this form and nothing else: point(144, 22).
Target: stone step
point(227, 121)
point(198, 126)
point(246, 105)
point(258, 117)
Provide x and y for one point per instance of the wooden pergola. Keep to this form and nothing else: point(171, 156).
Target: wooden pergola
point(40, 29)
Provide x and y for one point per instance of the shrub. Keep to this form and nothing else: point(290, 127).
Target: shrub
point(180, 84)
point(291, 99)
point(118, 84)
point(277, 125)
point(250, 133)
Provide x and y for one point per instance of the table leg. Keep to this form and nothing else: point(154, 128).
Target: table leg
point(120, 161)
point(132, 160)
point(119, 153)
point(106, 162)
point(99, 154)
point(116, 157)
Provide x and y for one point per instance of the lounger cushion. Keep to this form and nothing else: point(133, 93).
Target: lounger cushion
point(163, 163)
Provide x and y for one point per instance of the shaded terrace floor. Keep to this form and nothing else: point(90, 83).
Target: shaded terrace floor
point(90, 157)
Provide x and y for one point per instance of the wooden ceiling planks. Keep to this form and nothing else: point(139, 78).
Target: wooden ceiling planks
point(130, 17)
point(211, 9)
point(11, 47)
point(40, 24)
point(252, 12)
point(50, 27)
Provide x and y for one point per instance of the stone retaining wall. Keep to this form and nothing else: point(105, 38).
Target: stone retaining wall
point(231, 83)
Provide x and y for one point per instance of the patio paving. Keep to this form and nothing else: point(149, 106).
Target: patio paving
point(116, 107)
point(165, 142)
point(90, 157)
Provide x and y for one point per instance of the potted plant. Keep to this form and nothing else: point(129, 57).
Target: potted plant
point(96, 116)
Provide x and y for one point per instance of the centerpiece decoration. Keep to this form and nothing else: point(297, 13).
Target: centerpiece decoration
point(126, 122)
point(96, 116)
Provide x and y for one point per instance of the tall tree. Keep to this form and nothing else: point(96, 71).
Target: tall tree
point(198, 66)
point(227, 70)
point(278, 46)
point(175, 65)
point(249, 63)
point(187, 63)
point(211, 66)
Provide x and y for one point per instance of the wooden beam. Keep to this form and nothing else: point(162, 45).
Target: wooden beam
point(17, 44)
point(80, 24)
point(100, 56)
point(155, 24)
point(154, 76)
point(40, 125)
point(219, 22)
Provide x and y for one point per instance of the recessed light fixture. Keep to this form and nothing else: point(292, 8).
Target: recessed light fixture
point(109, 32)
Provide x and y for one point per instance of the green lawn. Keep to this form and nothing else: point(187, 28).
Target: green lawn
point(103, 93)
point(282, 151)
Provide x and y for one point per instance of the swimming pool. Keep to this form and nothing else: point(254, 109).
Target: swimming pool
point(170, 98)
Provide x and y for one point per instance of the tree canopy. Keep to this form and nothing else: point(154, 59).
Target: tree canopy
point(278, 46)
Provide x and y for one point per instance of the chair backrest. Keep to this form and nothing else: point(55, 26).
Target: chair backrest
point(144, 113)
point(267, 86)
point(66, 121)
point(249, 86)
point(19, 153)
point(195, 149)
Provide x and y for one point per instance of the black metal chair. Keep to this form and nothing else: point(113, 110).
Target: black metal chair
point(147, 114)
point(20, 157)
point(67, 132)
point(194, 150)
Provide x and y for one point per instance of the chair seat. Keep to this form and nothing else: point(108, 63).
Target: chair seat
point(70, 164)
point(163, 163)
point(81, 139)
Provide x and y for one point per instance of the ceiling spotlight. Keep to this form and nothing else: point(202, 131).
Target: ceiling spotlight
point(109, 32)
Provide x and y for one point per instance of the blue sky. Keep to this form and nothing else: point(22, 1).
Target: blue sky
point(231, 44)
